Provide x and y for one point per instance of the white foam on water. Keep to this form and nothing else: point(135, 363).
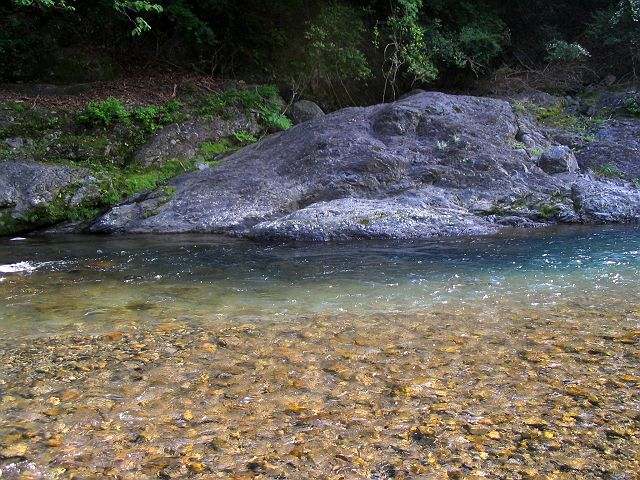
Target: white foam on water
point(17, 239)
point(24, 267)
point(18, 267)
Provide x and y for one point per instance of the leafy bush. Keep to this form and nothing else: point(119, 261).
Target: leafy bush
point(153, 117)
point(348, 50)
point(548, 211)
point(334, 41)
point(562, 51)
point(244, 138)
point(615, 32)
point(107, 113)
point(632, 106)
point(104, 113)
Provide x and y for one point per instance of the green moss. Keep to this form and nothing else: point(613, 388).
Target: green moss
point(208, 151)
point(519, 107)
point(548, 211)
point(244, 138)
point(609, 170)
point(589, 98)
point(113, 184)
point(9, 225)
point(58, 211)
point(166, 194)
point(263, 101)
point(116, 184)
point(535, 152)
point(556, 116)
point(211, 149)
point(31, 122)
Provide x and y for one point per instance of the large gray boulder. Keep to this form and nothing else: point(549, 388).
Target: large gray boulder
point(611, 202)
point(429, 165)
point(27, 186)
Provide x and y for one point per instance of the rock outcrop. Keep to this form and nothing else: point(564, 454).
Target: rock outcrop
point(304, 111)
point(429, 165)
point(26, 186)
point(181, 141)
point(558, 159)
point(617, 145)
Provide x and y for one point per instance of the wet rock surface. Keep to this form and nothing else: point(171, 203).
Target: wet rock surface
point(514, 393)
point(428, 165)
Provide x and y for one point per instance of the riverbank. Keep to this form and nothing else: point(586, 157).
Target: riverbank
point(68, 156)
point(227, 162)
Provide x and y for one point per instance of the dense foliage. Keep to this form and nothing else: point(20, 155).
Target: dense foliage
point(345, 51)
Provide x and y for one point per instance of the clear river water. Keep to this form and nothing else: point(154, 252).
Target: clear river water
point(514, 356)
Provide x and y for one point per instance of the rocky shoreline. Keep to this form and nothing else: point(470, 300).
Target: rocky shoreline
point(428, 165)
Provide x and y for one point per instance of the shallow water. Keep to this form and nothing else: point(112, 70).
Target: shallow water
point(91, 282)
point(191, 356)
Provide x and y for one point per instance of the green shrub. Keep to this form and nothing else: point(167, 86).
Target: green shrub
point(632, 106)
point(334, 46)
point(244, 138)
point(615, 32)
point(548, 211)
point(147, 117)
point(274, 120)
point(104, 113)
point(150, 118)
point(562, 51)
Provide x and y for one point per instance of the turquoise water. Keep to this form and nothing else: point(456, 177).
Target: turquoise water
point(90, 282)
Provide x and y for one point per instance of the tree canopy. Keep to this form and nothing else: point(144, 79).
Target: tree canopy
point(339, 47)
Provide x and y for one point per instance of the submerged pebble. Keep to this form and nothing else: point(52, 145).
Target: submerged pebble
point(527, 394)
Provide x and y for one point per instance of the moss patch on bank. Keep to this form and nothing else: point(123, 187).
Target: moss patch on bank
point(103, 137)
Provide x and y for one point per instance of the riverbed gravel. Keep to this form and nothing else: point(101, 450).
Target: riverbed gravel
point(513, 393)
